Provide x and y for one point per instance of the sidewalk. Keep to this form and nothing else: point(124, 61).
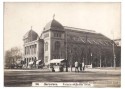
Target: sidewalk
point(26, 70)
point(105, 69)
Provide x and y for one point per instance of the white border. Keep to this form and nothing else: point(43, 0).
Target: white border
point(62, 0)
point(122, 35)
point(1, 44)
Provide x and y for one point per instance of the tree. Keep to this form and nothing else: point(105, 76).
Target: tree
point(7, 58)
point(12, 55)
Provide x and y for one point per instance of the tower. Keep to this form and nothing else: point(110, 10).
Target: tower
point(53, 35)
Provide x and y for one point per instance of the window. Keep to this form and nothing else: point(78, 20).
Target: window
point(35, 48)
point(89, 41)
point(46, 58)
point(46, 46)
point(46, 35)
point(57, 46)
point(57, 34)
point(95, 42)
point(106, 42)
point(101, 42)
point(30, 48)
point(83, 40)
point(25, 50)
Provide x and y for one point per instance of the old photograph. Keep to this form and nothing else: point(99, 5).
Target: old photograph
point(66, 44)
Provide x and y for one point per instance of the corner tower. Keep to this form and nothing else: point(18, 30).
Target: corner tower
point(53, 35)
point(33, 49)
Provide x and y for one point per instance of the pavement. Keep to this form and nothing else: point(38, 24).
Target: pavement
point(104, 77)
point(118, 69)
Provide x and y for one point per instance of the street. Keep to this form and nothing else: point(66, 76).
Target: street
point(24, 78)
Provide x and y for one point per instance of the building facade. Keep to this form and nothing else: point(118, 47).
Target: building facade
point(33, 48)
point(69, 43)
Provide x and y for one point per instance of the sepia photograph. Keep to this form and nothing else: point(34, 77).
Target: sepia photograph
point(62, 44)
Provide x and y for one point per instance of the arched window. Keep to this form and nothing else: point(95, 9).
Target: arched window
point(25, 50)
point(57, 45)
point(46, 46)
point(35, 48)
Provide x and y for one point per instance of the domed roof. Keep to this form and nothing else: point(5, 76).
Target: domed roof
point(53, 25)
point(31, 35)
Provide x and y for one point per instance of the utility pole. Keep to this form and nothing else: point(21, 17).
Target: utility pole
point(82, 50)
point(66, 54)
point(85, 59)
point(86, 50)
point(114, 56)
point(100, 58)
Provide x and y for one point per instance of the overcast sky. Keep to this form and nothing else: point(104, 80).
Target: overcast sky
point(19, 17)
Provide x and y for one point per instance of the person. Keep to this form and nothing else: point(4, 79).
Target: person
point(53, 70)
point(80, 65)
point(83, 66)
point(61, 67)
point(76, 67)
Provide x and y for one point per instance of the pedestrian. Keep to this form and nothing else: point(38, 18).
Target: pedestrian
point(83, 66)
point(80, 65)
point(76, 67)
point(53, 70)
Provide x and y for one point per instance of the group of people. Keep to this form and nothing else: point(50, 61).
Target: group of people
point(80, 66)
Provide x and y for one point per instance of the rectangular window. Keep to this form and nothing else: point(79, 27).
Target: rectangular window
point(25, 50)
point(46, 46)
point(46, 35)
point(57, 34)
point(46, 58)
point(35, 48)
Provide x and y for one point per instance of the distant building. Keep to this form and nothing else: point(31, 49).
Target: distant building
point(63, 42)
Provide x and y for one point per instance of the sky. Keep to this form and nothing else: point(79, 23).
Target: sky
point(19, 17)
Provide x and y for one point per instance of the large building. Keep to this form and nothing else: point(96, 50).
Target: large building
point(33, 48)
point(73, 44)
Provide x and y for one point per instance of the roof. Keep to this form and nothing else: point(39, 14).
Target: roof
point(31, 35)
point(117, 39)
point(78, 29)
point(53, 25)
point(89, 38)
point(56, 60)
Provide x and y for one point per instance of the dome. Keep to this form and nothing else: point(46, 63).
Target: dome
point(54, 25)
point(30, 36)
